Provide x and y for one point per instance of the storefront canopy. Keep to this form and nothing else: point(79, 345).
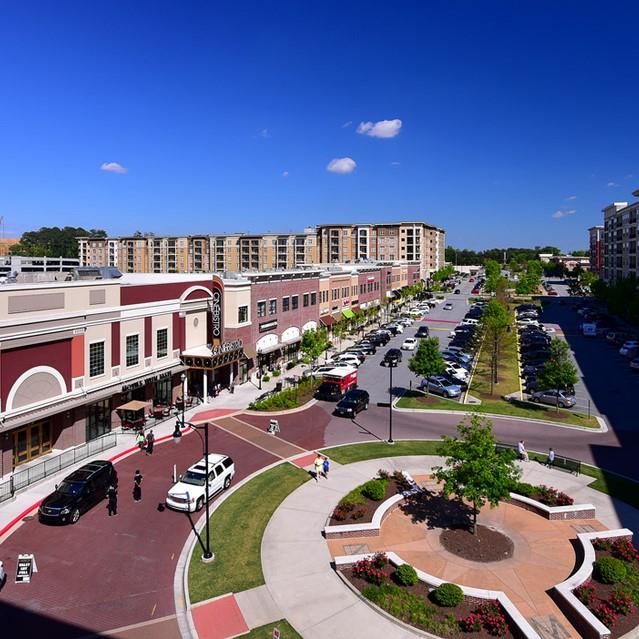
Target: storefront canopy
point(346, 312)
point(134, 404)
point(327, 320)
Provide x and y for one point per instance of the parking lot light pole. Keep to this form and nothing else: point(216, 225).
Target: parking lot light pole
point(183, 378)
point(391, 365)
point(207, 555)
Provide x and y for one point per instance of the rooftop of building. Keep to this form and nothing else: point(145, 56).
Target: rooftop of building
point(398, 223)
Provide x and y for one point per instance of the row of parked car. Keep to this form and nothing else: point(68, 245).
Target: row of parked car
point(534, 350)
point(458, 357)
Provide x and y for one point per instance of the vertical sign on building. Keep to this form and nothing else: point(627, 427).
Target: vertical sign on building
point(216, 315)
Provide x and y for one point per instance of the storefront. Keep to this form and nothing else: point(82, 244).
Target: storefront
point(31, 441)
point(210, 368)
point(98, 419)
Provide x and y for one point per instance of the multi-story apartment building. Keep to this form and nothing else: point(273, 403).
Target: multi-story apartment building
point(595, 235)
point(200, 253)
point(406, 241)
point(620, 240)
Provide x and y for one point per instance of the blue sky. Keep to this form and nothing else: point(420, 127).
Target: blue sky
point(226, 116)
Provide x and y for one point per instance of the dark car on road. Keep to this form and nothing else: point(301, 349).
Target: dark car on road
point(422, 331)
point(352, 403)
point(392, 357)
point(366, 346)
point(78, 492)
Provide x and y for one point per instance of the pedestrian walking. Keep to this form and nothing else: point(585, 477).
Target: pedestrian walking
point(137, 486)
point(112, 496)
point(550, 460)
point(150, 442)
point(521, 449)
point(319, 466)
point(140, 439)
point(326, 466)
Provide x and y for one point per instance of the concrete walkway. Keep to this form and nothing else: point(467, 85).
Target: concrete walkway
point(296, 558)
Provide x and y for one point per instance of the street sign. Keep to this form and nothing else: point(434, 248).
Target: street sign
point(25, 567)
point(276, 633)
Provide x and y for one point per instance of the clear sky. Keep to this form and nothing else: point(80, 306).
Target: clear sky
point(507, 123)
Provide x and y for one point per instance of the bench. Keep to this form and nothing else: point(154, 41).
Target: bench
point(568, 464)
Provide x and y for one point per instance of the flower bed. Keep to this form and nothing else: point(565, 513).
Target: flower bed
point(400, 593)
point(612, 594)
point(546, 495)
point(359, 506)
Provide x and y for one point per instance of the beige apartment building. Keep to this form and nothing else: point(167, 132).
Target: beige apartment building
point(620, 240)
point(404, 241)
point(200, 253)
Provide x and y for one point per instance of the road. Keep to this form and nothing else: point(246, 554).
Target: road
point(105, 573)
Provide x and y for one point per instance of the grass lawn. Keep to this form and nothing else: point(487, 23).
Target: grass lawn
point(374, 450)
point(414, 399)
point(237, 527)
point(266, 632)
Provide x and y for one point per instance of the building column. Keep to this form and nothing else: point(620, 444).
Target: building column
point(205, 387)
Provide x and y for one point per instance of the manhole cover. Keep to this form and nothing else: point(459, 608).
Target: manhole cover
point(28, 518)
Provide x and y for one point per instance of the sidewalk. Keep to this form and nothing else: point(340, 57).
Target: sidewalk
point(297, 563)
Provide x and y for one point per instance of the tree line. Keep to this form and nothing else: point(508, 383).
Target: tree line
point(53, 241)
point(468, 257)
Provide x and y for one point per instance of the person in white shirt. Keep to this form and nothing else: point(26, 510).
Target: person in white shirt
point(521, 449)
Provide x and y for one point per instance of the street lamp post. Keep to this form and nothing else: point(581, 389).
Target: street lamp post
point(183, 378)
point(207, 555)
point(391, 365)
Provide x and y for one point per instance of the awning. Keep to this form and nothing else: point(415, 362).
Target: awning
point(355, 308)
point(249, 351)
point(269, 349)
point(293, 340)
point(134, 404)
point(346, 312)
point(327, 320)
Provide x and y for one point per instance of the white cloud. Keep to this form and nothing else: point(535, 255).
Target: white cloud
point(264, 133)
point(559, 213)
point(395, 163)
point(113, 167)
point(341, 165)
point(347, 124)
point(381, 129)
point(571, 197)
point(612, 184)
point(284, 173)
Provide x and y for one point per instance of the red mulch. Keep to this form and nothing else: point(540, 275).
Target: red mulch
point(485, 545)
point(556, 414)
point(369, 507)
point(420, 589)
point(624, 623)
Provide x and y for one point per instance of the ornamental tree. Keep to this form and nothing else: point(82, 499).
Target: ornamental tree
point(473, 468)
point(314, 343)
point(427, 360)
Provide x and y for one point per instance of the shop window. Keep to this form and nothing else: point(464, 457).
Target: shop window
point(162, 342)
point(313, 299)
point(305, 299)
point(286, 304)
point(132, 350)
point(295, 302)
point(242, 314)
point(98, 419)
point(162, 392)
point(261, 309)
point(96, 359)
point(272, 307)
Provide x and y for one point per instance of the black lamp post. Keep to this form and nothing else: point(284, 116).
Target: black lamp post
point(207, 555)
point(391, 366)
point(183, 378)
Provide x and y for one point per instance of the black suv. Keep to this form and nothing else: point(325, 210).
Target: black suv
point(422, 331)
point(78, 492)
point(352, 403)
point(392, 357)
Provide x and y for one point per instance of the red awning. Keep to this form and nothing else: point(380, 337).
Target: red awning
point(327, 320)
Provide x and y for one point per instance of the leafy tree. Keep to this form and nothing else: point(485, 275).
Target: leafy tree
point(313, 344)
point(339, 331)
point(473, 469)
point(580, 253)
point(558, 372)
point(494, 323)
point(427, 360)
point(587, 278)
point(53, 241)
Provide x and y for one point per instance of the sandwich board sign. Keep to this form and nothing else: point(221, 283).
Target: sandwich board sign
point(25, 567)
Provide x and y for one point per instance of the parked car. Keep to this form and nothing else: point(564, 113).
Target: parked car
point(454, 381)
point(457, 291)
point(366, 347)
point(634, 364)
point(78, 492)
point(554, 398)
point(440, 386)
point(627, 346)
point(409, 344)
point(353, 402)
point(460, 371)
point(448, 306)
point(527, 321)
point(422, 331)
point(189, 493)
point(353, 350)
point(349, 358)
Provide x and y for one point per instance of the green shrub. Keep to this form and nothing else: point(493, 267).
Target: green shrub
point(266, 378)
point(448, 595)
point(406, 575)
point(522, 488)
point(402, 604)
point(609, 570)
point(374, 489)
point(277, 372)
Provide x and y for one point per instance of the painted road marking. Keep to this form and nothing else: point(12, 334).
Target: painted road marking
point(154, 607)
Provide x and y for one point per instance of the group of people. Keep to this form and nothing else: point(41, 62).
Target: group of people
point(147, 442)
point(322, 466)
point(523, 454)
point(112, 494)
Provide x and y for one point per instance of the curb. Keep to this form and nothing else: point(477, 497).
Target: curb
point(289, 411)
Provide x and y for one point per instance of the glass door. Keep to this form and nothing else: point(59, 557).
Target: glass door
point(31, 442)
point(20, 453)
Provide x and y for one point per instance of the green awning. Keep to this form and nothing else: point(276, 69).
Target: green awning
point(346, 312)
